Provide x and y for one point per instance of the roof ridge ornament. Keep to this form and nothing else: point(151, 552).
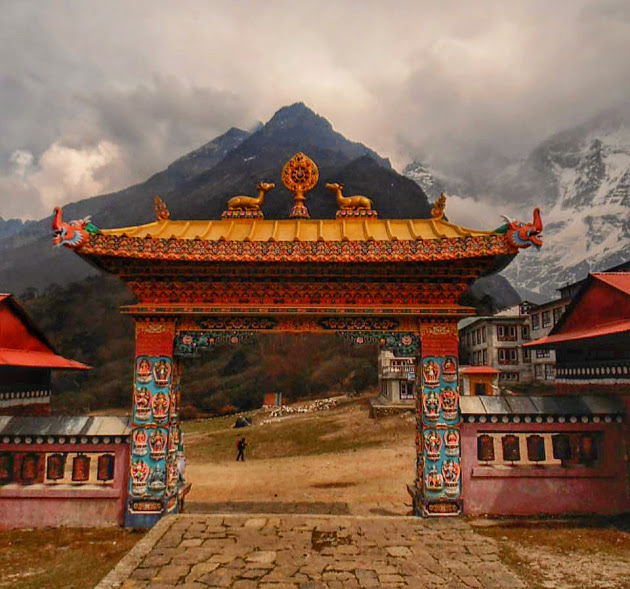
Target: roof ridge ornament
point(351, 206)
point(248, 207)
point(439, 206)
point(161, 210)
point(300, 174)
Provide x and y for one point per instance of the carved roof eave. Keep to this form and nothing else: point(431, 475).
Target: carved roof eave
point(111, 245)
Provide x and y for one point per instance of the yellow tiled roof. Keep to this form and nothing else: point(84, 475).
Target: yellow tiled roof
point(301, 230)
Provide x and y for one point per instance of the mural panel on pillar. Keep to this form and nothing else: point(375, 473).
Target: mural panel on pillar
point(440, 438)
point(152, 403)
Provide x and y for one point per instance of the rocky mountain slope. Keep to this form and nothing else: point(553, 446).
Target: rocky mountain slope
point(581, 180)
point(198, 186)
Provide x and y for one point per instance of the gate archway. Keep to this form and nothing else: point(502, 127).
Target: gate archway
point(395, 282)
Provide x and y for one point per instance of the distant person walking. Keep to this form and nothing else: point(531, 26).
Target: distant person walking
point(241, 445)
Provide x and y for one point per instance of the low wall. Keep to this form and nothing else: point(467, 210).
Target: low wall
point(551, 486)
point(64, 502)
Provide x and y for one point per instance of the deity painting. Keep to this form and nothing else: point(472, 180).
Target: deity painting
point(432, 444)
point(142, 403)
point(140, 440)
point(139, 474)
point(450, 472)
point(173, 442)
point(157, 444)
point(431, 373)
point(162, 372)
point(451, 441)
point(450, 403)
point(434, 480)
point(450, 369)
point(157, 478)
point(172, 476)
point(431, 403)
point(161, 405)
point(143, 370)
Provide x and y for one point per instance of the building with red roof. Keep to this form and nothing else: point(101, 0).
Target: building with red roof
point(27, 360)
point(592, 339)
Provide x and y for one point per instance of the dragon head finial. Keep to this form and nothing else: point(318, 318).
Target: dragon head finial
point(521, 235)
point(72, 234)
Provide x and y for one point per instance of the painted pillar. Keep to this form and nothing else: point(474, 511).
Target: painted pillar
point(438, 470)
point(153, 482)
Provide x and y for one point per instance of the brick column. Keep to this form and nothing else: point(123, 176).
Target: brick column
point(438, 439)
point(152, 492)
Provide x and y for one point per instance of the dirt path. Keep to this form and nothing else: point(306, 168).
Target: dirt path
point(369, 480)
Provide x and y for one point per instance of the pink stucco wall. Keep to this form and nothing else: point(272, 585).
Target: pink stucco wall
point(38, 506)
point(532, 490)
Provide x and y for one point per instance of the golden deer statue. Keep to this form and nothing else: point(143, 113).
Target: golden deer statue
point(349, 203)
point(250, 203)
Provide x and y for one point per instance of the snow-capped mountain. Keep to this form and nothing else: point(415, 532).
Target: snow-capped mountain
point(425, 177)
point(580, 178)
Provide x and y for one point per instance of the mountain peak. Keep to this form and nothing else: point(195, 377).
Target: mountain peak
point(298, 114)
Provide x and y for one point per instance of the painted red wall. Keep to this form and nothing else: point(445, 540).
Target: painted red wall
point(545, 490)
point(39, 506)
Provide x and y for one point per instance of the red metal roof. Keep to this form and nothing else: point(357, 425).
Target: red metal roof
point(588, 333)
point(479, 370)
point(618, 280)
point(33, 359)
point(23, 344)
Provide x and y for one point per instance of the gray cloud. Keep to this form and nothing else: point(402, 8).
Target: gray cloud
point(104, 94)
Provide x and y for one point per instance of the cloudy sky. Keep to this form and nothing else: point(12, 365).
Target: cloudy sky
point(97, 95)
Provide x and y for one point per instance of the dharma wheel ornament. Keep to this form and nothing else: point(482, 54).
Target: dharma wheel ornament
point(299, 175)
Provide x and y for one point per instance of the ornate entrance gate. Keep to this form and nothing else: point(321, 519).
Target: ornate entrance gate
point(198, 283)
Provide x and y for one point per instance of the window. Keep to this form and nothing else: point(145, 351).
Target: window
point(525, 332)
point(480, 388)
point(546, 318)
point(508, 356)
point(509, 376)
point(543, 353)
point(512, 332)
point(483, 334)
point(535, 321)
point(526, 354)
point(485, 357)
point(500, 331)
point(538, 371)
point(557, 313)
point(406, 390)
point(550, 372)
point(469, 339)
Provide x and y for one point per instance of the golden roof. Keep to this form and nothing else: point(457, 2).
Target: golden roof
point(306, 230)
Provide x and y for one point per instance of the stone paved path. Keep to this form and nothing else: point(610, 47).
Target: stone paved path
point(311, 552)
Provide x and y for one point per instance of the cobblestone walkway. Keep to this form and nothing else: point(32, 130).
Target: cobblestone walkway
point(311, 552)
